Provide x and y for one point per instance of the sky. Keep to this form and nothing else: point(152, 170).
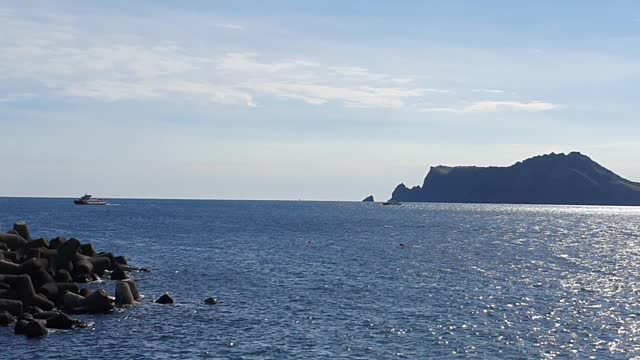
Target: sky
point(313, 100)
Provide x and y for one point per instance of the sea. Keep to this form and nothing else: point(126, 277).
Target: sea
point(350, 280)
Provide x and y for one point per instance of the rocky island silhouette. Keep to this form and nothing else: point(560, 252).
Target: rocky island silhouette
point(560, 179)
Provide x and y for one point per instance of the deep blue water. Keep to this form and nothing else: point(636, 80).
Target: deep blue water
point(324, 280)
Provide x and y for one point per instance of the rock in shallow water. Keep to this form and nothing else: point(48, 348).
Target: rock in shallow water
point(165, 299)
point(210, 301)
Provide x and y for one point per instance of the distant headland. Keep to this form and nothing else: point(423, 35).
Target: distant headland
point(571, 179)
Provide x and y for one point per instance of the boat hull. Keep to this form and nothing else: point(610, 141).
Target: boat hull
point(80, 202)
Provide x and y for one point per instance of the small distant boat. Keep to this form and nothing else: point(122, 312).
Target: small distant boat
point(391, 202)
point(88, 200)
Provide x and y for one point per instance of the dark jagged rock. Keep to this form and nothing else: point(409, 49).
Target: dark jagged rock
point(572, 179)
point(14, 307)
point(210, 301)
point(36, 329)
point(6, 318)
point(164, 299)
point(368, 199)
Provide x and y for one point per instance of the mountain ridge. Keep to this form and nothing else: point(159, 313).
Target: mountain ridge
point(571, 179)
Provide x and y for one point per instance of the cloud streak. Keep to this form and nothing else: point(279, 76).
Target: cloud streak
point(58, 58)
point(496, 106)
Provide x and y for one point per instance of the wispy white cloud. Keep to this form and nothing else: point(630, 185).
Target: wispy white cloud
point(65, 61)
point(495, 106)
point(489, 91)
point(119, 71)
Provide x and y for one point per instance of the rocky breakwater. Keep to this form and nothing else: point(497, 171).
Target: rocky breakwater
point(39, 282)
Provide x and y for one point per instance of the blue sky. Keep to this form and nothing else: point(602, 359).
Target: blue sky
point(327, 100)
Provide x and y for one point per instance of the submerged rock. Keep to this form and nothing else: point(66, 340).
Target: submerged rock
point(210, 301)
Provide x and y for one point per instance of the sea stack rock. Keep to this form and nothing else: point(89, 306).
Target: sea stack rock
point(164, 299)
point(368, 199)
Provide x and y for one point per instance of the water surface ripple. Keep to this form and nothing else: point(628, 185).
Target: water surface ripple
point(330, 280)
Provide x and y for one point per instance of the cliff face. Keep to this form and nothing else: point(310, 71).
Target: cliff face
point(572, 179)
